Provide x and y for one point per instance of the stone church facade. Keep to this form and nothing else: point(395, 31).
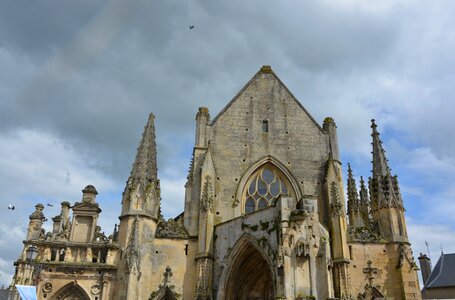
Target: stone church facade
point(265, 217)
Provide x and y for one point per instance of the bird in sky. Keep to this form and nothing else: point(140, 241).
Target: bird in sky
point(191, 26)
point(10, 206)
point(51, 205)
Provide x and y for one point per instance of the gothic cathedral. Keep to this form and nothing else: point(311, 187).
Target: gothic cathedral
point(265, 218)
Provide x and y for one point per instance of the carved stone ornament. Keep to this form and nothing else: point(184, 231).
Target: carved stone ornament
point(363, 234)
point(302, 247)
point(166, 289)
point(207, 196)
point(204, 284)
point(99, 236)
point(403, 250)
point(95, 289)
point(133, 259)
point(280, 258)
point(47, 287)
point(336, 207)
point(171, 228)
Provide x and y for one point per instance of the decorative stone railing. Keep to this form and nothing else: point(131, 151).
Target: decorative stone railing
point(75, 253)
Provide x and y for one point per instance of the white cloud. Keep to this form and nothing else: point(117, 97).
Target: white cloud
point(38, 167)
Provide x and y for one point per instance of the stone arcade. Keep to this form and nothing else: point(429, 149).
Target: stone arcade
point(264, 218)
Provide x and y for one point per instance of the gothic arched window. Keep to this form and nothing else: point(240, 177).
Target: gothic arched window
point(263, 188)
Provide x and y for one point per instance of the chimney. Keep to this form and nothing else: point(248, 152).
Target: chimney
point(425, 267)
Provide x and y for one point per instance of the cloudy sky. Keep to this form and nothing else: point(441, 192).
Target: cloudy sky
point(78, 79)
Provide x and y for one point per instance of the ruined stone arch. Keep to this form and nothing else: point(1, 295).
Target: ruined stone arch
point(71, 291)
point(249, 273)
point(272, 162)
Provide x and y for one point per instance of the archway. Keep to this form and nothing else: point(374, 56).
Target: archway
point(71, 291)
point(250, 276)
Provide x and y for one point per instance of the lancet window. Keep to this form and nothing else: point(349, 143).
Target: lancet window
point(263, 188)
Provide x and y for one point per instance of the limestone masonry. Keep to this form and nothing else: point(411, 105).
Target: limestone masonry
point(265, 218)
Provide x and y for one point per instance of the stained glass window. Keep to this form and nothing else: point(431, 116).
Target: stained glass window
point(264, 187)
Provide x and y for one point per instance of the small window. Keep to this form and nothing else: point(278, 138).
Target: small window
point(265, 126)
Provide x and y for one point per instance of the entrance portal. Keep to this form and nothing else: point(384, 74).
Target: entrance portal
point(250, 277)
point(71, 291)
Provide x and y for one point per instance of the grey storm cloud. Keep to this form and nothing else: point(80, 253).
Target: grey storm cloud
point(101, 67)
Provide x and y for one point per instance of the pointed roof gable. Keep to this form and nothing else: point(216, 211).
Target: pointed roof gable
point(86, 206)
point(442, 274)
point(265, 70)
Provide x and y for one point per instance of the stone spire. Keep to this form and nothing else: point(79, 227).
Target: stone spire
point(144, 166)
point(383, 186)
point(380, 162)
point(353, 196)
point(386, 203)
point(355, 216)
point(142, 192)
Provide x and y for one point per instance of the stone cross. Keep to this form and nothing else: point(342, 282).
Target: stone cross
point(371, 272)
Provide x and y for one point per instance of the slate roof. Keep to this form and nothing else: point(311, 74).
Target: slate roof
point(443, 274)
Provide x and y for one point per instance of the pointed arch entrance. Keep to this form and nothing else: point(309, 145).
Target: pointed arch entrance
point(71, 291)
point(249, 275)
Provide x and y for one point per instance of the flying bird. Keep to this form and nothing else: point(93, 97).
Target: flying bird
point(10, 206)
point(191, 26)
point(51, 205)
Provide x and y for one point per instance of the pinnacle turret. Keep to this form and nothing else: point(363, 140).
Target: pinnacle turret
point(142, 192)
point(355, 208)
point(144, 166)
point(380, 162)
point(353, 196)
point(364, 202)
point(384, 187)
point(363, 191)
point(386, 203)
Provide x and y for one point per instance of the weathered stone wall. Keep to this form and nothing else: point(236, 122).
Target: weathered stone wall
point(179, 254)
point(391, 278)
point(238, 141)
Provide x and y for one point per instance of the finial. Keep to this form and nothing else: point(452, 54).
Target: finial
point(90, 189)
point(328, 120)
point(373, 125)
point(65, 203)
point(38, 213)
point(203, 111)
point(89, 194)
point(266, 69)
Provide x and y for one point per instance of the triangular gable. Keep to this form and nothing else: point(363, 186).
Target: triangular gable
point(266, 70)
point(85, 206)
